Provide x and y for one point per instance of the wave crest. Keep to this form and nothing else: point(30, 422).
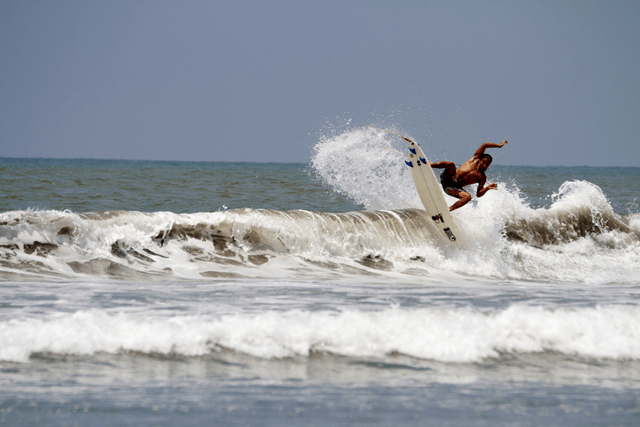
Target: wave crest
point(580, 210)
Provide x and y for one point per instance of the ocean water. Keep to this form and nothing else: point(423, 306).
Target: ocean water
point(170, 293)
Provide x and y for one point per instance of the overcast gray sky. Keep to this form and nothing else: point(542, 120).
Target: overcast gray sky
point(264, 80)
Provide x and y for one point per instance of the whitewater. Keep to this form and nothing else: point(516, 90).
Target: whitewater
point(316, 293)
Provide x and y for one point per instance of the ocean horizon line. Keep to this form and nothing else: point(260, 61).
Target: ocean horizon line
point(90, 159)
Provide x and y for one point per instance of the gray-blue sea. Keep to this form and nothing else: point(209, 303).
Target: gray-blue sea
point(148, 293)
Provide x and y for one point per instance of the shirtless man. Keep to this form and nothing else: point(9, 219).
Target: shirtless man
point(471, 172)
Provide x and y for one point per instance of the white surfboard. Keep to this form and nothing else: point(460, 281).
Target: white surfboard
point(430, 192)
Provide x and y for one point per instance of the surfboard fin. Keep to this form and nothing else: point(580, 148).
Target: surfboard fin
point(413, 150)
point(409, 163)
point(423, 160)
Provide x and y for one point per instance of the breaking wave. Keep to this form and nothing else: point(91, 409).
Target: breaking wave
point(447, 335)
point(569, 241)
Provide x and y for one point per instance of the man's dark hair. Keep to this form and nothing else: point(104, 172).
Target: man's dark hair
point(487, 156)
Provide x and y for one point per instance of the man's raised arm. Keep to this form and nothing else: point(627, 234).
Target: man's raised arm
point(480, 151)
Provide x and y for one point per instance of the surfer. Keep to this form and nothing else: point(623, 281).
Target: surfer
point(471, 172)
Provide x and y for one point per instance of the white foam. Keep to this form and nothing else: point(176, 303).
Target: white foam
point(448, 335)
point(634, 222)
point(363, 164)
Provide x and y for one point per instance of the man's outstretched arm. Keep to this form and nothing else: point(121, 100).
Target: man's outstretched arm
point(480, 151)
point(442, 165)
point(450, 167)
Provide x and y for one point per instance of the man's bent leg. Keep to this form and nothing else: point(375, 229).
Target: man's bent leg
point(459, 194)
